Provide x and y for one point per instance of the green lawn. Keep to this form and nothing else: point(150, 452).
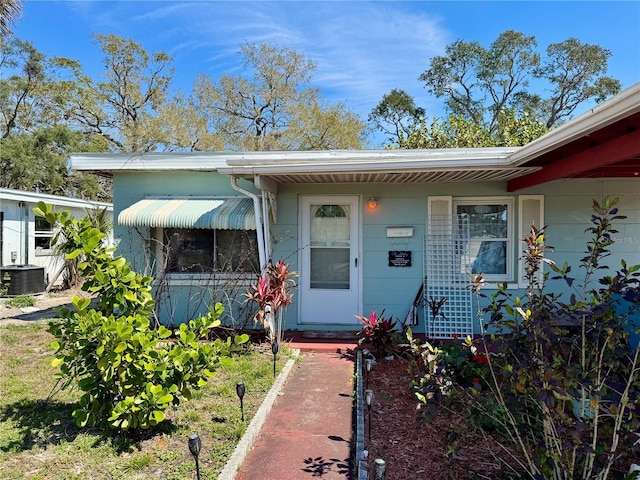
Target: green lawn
point(39, 439)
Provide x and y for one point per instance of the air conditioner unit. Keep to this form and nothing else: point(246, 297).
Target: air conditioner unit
point(22, 279)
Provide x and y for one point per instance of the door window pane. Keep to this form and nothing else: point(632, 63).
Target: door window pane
point(330, 251)
point(330, 268)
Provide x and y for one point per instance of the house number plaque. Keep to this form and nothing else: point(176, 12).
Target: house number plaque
point(399, 258)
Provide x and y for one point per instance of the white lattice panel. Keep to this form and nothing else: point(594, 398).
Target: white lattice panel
point(446, 258)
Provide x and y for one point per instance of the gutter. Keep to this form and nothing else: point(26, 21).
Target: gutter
point(260, 228)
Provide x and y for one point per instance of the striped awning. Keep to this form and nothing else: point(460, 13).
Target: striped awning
point(225, 214)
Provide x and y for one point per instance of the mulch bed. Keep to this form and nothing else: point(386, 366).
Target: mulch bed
point(443, 448)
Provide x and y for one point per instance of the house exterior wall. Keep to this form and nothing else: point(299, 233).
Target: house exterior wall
point(177, 299)
point(567, 212)
point(19, 230)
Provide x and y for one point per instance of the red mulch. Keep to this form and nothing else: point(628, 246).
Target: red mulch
point(443, 448)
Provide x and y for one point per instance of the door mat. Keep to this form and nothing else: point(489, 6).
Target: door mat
point(330, 335)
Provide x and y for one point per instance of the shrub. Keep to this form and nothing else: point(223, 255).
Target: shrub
point(434, 381)
point(566, 381)
point(379, 334)
point(272, 292)
point(129, 369)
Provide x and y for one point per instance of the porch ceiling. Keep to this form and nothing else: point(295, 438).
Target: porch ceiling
point(469, 175)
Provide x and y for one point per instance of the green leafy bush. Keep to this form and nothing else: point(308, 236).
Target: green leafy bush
point(433, 382)
point(129, 369)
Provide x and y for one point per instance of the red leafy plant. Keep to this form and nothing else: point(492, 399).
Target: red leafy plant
point(378, 333)
point(271, 292)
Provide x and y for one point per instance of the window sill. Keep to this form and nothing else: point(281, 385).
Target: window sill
point(493, 285)
point(208, 279)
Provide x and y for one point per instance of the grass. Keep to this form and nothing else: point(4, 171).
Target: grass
point(21, 301)
point(40, 441)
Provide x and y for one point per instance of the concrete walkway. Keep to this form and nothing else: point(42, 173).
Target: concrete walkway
point(308, 432)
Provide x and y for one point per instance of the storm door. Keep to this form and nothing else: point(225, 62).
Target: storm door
point(329, 285)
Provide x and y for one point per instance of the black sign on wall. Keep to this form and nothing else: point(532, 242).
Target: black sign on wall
point(399, 258)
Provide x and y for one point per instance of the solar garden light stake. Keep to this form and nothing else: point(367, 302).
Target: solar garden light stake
point(240, 390)
point(368, 399)
point(194, 447)
point(274, 349)
point(368, 363)
point(380, 469)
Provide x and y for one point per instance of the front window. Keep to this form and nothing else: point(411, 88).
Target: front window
point(487, 226)
point(209, 251)
point(43, 235)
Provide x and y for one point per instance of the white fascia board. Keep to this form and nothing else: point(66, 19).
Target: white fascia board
point(165, 161)
point(35, 197)
point(249, 163)
point(624, 104)
point(368, 161)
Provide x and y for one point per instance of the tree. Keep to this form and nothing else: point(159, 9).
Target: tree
point(478, 83)
point(317, 127)
point(396, 114)
point(35, 138)
point(124, 107)
point(459, 132)
point(576, 73)
point(28, 91)
point(37, 161)
point(185, 127)
point(10, 12)
point(256, 113)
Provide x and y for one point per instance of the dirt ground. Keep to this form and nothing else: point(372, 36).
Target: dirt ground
point(44, 307)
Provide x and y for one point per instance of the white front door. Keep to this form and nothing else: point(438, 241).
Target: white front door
point(329, 286)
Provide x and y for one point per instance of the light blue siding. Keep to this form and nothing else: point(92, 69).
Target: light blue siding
point(567, 214)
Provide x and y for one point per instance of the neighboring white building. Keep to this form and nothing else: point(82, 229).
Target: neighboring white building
point(25, 240)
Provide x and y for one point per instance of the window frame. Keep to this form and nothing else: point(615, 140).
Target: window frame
point(509, 201)
point(40, 234)
point(158, 237)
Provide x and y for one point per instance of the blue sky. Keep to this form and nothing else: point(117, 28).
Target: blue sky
point(363, 49)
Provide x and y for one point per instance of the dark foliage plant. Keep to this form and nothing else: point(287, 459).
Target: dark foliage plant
point(565, 379)
point(379, 334)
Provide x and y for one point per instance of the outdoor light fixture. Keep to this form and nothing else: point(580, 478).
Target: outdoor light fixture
point(240, 390)
point(381, 468)
point(368, 399)
point(372, 202)
point(194, 447)
point(274, 349)
point(368, 364)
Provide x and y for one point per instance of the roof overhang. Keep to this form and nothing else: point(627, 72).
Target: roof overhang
point(603, 142)
point(326, 166)
point(35, 197)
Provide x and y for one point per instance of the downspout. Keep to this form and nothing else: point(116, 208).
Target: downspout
point(25, 234)
point(259, 225)
point(265, 218)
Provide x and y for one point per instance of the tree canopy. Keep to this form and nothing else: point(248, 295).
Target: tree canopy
point(479, 85)
point(50, 107)
point(10, 11)
point(272, 107)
